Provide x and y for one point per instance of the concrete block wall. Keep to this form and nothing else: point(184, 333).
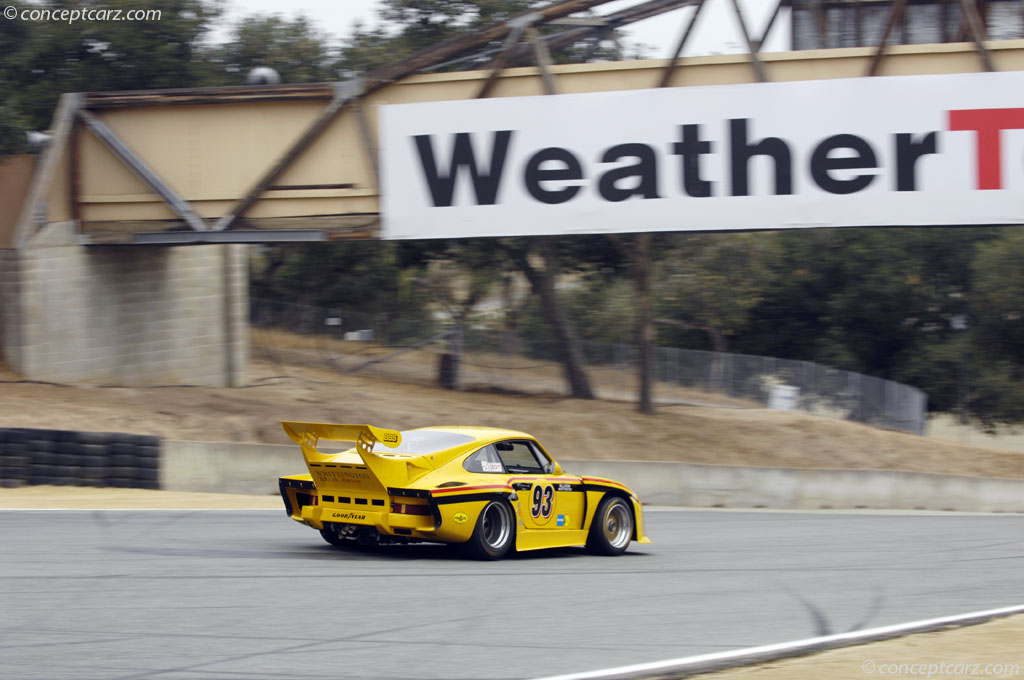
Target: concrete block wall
point(230, 467)
point(727, 486)
point(130, 316)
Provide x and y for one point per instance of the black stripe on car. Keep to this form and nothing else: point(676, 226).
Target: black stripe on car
point(602, 487)
point(408, 493)
point(471, 497)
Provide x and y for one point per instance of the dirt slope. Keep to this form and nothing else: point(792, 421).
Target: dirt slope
point(571, 429)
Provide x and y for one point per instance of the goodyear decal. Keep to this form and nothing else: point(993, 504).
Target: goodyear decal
point(347, 515)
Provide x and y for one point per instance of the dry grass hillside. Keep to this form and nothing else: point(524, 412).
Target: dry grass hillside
point(571, 429)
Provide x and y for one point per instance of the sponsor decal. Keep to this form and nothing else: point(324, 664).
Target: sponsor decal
point(562, 521)
point(337, 476)
point(565, 487)
point(491, 467)
point(460, 518)
point(891, 151)
point(347, 515)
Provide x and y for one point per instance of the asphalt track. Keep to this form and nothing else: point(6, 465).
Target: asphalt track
point(195, 595)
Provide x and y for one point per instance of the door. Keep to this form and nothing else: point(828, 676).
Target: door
point(546, 501)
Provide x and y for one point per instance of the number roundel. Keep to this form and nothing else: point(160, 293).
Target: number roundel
point(542, 502)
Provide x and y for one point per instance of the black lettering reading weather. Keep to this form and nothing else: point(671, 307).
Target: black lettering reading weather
point(543, 501)
point(838, 164)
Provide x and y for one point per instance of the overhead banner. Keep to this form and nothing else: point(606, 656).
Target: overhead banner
point(893, 151)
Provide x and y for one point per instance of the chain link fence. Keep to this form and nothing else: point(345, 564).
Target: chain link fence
point(485, 356)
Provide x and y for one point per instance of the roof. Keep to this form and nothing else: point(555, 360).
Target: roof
point(480, 432)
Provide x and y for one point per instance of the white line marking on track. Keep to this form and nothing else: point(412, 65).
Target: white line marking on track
point(739, 657)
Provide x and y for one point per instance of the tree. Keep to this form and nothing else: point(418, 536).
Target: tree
point(711, 282)
point(997, 329)
point(414, 25)
point(295, 49)
point(862, 299)
point(44, 59)
point(539, 262)
point(418, 24)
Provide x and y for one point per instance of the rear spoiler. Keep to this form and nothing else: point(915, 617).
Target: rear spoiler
point(388, 469)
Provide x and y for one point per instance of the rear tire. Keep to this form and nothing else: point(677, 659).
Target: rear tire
point(495, 532)
point(612, 527)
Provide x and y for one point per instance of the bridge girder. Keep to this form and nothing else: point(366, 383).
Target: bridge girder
point(298, 162)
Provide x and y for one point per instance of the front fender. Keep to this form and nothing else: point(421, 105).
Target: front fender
point(638, 514)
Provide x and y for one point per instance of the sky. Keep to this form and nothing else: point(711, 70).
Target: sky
point(716, 33)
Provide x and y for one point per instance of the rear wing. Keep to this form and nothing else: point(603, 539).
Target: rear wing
point(389, 469)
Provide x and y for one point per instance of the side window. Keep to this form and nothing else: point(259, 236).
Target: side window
point(520, 456)
point(484, 460)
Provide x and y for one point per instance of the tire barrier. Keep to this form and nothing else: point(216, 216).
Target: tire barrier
point(70, 458)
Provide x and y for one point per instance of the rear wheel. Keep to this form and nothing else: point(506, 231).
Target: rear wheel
point(494, 532)
point(612, 528)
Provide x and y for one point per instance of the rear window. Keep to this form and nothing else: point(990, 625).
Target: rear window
point(484, 460)
point(424, 441)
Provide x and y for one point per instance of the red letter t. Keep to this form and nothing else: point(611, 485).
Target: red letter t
point(988, 123)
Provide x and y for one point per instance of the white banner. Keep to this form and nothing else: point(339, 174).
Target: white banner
point(894, 151)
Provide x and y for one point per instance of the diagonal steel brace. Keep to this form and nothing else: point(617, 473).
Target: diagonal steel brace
point(344, 93)
point(139, 168)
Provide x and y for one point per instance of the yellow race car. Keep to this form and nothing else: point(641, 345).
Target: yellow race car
point(487, 489)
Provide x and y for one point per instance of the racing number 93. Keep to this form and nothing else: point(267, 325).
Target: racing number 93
point(543, 501)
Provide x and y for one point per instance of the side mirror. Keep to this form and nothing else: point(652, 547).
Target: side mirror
point(555, 468)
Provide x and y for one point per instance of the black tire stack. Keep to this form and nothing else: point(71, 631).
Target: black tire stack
point(91, 450)
point(14, 461)
point(67, 458)
point(46, 464)
point(134, 462)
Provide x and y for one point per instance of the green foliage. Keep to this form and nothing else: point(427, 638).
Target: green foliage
point(601, 309)
point(295, 49)
point(710, 282)
point(417, 24)
point(12, 131)
point(863, 299)
point(356, 277)
point(997, 302)
point(48, 58)
point(996, 392)
point(997, 317)
point(939, 367)
point(44, 59)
